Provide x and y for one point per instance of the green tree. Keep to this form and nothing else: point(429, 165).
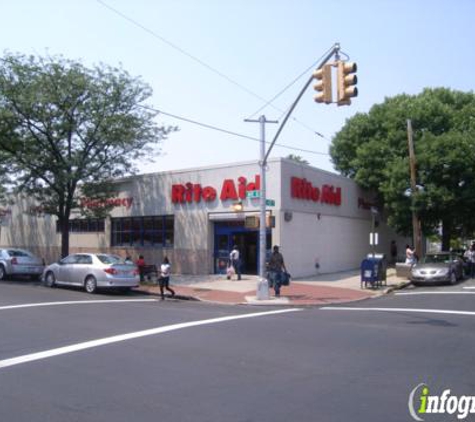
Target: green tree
point(66, 130)
point(297, 158)
point(372, 148)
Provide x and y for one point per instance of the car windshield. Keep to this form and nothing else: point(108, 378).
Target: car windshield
point(437, 259)
point(110, 259)
point(17, 253)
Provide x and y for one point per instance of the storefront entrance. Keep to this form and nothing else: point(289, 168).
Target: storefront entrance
point(233, 233)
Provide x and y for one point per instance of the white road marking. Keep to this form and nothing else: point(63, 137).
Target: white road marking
point(129, 336)
point(72, 302)
point(413, 310)
point(434, 293)
point(470, 287)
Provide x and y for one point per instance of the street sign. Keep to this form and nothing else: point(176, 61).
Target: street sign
point(253, 194)
point(270, 202)
point(373, 239)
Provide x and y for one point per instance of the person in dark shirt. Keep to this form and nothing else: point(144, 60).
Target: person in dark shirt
point(276, 268)
point(141, 266)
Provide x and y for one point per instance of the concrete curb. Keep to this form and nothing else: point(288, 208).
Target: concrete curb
point(400, 286)
point(250, 300)
point(167, 296)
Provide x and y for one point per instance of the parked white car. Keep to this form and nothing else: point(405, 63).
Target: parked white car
point(19, 262)
point(92, 271)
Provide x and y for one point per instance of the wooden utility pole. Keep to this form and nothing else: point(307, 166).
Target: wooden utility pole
point(416, 225)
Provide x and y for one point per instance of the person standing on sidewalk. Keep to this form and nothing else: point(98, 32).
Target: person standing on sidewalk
point(469, 255)
point(235, 259)
point(141, 266)
point(164, 280)
point(410, 258)
point(393, 250)
point(276, 269)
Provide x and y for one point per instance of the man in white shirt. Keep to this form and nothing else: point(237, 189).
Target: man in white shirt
point(469, 255)
point(235, 260)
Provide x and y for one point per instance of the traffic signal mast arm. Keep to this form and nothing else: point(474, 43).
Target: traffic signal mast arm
point(346, 87)
point(335, 50)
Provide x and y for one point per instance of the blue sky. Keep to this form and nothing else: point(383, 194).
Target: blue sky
point(400, 46)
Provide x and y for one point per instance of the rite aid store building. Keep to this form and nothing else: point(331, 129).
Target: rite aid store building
point(320, 220)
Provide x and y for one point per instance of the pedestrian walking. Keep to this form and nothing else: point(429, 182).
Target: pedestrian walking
point(164, 280)
point(469, 255)
point(276, 268)
point(235, 260)
point(393, 250)
point(141, 266)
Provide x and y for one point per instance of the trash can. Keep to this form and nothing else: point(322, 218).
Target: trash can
point(373, 270)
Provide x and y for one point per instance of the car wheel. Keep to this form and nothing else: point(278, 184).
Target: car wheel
point(453, 278)
point(90, 284)
point(50, 279)
point(3, 273)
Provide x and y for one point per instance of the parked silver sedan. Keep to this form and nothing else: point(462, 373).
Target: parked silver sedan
point(15, 262)
point(92, 271)
point(441, 267)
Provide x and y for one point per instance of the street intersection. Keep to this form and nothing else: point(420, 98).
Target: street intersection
point(66, 355)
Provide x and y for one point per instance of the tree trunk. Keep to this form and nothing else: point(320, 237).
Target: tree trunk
point(446, 234)
point(64, 237)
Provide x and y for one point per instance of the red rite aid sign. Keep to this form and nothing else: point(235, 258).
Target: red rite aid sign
point(195, 192)
point(303, 189)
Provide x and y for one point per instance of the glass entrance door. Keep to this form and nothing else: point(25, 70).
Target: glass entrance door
point(230, 234)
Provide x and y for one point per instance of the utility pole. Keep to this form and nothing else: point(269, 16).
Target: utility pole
point(416, 227)
point(263, 285)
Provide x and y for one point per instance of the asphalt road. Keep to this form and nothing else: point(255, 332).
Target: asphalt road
point(188, 361)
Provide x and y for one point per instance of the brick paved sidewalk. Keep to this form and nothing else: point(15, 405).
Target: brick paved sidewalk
point(321, 290)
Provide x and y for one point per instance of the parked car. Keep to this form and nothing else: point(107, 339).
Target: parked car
point(441, 267)
point(15, 262)
point(92, 271)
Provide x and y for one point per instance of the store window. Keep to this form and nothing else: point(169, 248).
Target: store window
point(157, 231)
point(84, 225)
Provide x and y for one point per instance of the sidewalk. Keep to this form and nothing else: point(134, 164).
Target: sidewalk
point(321, 289)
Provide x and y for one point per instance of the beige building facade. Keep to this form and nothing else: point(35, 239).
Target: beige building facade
point(321, 221)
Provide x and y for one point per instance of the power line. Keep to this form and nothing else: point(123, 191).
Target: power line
point(181, 50)
point(215, 128)
point(209, 67)
point(226, 131)
point(289, 85)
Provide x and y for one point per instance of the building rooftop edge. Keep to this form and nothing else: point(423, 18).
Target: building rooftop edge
point(227, 165)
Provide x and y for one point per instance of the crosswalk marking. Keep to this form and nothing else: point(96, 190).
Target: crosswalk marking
point(130, 336)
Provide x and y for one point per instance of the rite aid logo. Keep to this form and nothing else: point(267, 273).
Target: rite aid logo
point(422, 403)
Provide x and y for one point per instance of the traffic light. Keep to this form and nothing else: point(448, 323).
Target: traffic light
point(323, 76)
point(346, 80)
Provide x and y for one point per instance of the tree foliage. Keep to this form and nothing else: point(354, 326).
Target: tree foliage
point(66, 129)
point(372, 148)
point(297, 159)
